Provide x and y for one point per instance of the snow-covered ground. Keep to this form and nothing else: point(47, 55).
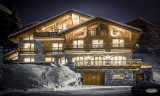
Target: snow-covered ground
point(82, 91)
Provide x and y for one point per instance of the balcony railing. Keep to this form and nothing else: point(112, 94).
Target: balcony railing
point(74, 47)
point(97, 46)
point(53, 49)
point(121, 46)
point(108, 64)
point(27, 50)
point(45, 34)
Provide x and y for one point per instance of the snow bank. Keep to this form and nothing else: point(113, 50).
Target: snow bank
point(61, 77)
point(28, 76)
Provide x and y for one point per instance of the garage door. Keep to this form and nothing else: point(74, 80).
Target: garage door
point(93, 78)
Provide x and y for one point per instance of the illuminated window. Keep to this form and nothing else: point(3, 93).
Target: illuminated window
point(75, 19)
point(78, 44)
point(118, 60)
point(118, 43)
point(28, 59)
point(49, 59)
point(117, 76)
point(57, 46)
point(28, 46)
point(62, 60)
point(93, 32)
point(62, 26)
point(97, 43)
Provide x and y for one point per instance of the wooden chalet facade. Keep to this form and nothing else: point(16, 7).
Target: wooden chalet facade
point(100, 49)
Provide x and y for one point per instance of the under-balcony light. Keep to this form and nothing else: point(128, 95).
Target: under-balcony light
point(107, 57)
point(88, 57)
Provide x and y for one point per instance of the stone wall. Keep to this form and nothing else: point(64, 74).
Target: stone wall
point(129, 76)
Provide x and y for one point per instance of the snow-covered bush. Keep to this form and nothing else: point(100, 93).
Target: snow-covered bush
point(25, 76)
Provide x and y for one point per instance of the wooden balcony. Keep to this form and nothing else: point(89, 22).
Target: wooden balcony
point(97, 47)
point(108, 64)
point(45, 34)
point(120, 46)
point(74, 47)
point(27, 51)
point(53, 49)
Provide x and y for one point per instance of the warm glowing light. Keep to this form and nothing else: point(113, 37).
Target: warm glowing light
point(118, 33)
point(43, 28)
point(107, 57)
point(88, 57)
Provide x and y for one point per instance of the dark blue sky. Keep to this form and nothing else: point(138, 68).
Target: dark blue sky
point(118, 10)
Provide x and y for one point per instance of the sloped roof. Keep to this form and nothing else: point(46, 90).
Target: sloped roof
point(98, 18)
point(140, 19)
point(54, 17)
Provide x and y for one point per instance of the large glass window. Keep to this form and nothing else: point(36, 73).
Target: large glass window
point(28, 46)
point(75, 19)
point(97, 43)
point(78, 44)
point(57, 46)
point(118, 60)
point(28, 59)
point(49, 59)
point(118, 43)
point(62, 60)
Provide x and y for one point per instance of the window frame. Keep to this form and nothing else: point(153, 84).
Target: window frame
point(31, 59)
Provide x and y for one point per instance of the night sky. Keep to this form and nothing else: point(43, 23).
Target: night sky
point(118, 10)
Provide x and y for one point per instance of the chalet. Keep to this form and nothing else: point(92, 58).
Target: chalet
point(98, 48)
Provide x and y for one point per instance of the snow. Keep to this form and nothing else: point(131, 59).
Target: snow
point(28, 76)
point(151, 90)
point(84, 91)
point(155, 60)
point(3, 8)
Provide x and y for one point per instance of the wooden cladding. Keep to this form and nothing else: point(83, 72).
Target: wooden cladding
point(93, 78)
point(45, 34)
point(27, 51)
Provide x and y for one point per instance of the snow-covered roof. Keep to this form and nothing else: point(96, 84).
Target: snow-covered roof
point(48, 20)
point(140, 18)
point(3, 8)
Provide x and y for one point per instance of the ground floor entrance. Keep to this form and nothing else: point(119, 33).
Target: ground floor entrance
point(139, 77)
point(93, 78)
